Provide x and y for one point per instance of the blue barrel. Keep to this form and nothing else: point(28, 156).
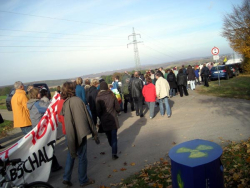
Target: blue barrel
point(196, 164)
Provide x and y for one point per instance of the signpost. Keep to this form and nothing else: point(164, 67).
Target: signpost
point(215, 52)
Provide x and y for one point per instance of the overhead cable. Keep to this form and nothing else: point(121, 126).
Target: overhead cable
point(24, 14)
point(16, 30)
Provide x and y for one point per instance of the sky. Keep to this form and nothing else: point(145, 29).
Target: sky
point(47, 40)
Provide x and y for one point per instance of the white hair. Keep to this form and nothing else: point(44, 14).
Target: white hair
point(18, 84)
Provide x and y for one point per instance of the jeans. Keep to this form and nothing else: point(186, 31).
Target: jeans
point(138, 105)
point(87, 106)
point(82, 165)
point(26, 130)
point(112, 139)
point(192, 84)
point(172, 92)
point(151, 106)
point(164, 100)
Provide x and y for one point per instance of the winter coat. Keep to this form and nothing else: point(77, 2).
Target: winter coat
point(125, 83)
point(172, 80)
point(149, 92)
point(162, 88)
point(21, 115)
point(45, 99)
point(182, 79)
point(80, 92)
point(197, 73)
point(166, 75)
point(190, 73)
point(184, 70)
point(86, 88)
point(135, 87)
point(92, 98)
point(107, 108)
point(36, 108)
point(77, 123)
point(204, 71)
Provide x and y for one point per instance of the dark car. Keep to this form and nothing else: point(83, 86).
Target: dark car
point(222, 70)
point(235, 69)
point(12, 92)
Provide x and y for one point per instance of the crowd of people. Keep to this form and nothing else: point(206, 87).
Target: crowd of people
point(94, 107)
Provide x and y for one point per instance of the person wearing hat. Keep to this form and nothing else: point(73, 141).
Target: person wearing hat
point(107, 108)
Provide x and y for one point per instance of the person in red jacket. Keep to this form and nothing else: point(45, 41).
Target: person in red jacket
point(149, 93)
point(60, 117)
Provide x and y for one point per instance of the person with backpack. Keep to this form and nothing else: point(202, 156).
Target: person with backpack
point(172, 83)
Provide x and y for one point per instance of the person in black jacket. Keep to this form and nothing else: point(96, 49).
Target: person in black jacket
point(182, 82)
point(107, 107)
point(135, 87)
point(91, 100)
point(205, 74)
point(172, 83)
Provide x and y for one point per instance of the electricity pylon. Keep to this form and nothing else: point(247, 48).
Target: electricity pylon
point(136, 52)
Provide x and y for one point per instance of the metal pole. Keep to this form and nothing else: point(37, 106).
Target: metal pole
point(218, 72)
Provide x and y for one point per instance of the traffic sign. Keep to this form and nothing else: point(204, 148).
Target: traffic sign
point(216, 57)
point(215, 51)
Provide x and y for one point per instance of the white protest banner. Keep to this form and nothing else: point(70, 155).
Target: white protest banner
point(35, 149)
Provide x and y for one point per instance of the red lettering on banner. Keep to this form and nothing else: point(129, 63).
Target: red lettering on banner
point(43, 124)
point(6, 152)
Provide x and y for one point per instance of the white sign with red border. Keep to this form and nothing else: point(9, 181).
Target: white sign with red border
point(215, 51)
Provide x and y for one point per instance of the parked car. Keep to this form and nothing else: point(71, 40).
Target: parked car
point(12, 92)
point(235, 69)
point(222, 70)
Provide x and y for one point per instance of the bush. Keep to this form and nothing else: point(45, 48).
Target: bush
point(246, 65)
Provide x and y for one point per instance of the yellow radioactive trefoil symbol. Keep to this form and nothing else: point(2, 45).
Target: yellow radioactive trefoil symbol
point(197, 152)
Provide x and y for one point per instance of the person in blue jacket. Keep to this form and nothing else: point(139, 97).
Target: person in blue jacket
point(80, 91)
point(197, 70)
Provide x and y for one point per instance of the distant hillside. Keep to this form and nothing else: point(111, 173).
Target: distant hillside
point(190, 61)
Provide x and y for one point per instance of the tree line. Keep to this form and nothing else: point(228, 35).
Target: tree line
point(5, 90)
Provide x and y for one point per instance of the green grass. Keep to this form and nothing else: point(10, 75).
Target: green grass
point(3, 102)
point(235, 160)
point(237, 87)
point(3, 97)
point(5, 127)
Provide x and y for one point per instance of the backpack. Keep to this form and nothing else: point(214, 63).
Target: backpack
point(171, 77)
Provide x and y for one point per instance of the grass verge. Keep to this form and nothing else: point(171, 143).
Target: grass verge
point(235, 159)
point(237, 87)
point(5, 127)
point(3, 102)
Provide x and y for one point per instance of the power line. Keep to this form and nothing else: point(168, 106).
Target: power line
point(52, 38)
point(24, 14)
point(16, 30)
point(64, 50)
point(157, 51)
point(43, 41)
point(162, 43)
point(60, 46)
